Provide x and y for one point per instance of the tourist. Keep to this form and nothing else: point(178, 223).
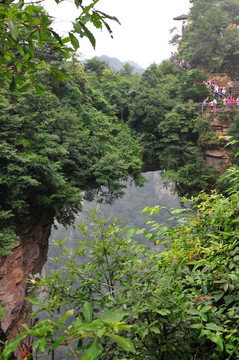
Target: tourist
point(234, 103)
point(229, 102)
point(230, 87)
point(215, 105)
point(225, 102)
point(224, 92)
point(220, 90)
point(212, 105)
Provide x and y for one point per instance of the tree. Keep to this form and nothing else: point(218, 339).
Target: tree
point(56, 146)
point(127, 70)
point(180, 301)
point(210, 38)
point(167, 126)
point(95, 65)
point(23, 27)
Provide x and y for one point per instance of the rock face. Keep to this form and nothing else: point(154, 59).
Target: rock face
point(217, 157)
point(28, 257)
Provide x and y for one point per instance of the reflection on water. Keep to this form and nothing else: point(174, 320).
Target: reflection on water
point(129, 208)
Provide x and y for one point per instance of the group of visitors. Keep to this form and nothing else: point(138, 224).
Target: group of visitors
point(217, 91)
point(231, 103)
point(220, 92)
point(180, 63)
point(228, 103)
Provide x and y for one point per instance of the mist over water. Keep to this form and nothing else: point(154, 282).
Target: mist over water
point(156, 191)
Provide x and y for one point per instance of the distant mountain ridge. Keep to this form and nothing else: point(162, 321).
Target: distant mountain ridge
point(116, 64)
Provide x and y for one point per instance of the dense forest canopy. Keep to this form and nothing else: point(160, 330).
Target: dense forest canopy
point(83, 129)
point(211, 38)
point(56, 146)
point(64, 135)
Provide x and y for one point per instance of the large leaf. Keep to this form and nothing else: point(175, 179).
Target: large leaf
point(217, 340)
point(74, 41)
point(126, 344)
point(37, 302)
point(92, 351)
point(86, 32)
point(114, 316)
point(65, 317)
point(87, 311)
point(13, 29)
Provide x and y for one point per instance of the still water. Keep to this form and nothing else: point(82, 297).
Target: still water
point(156, 191)
point(129, 208)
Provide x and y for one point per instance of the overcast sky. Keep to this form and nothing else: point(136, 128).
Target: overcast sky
point(142, 36)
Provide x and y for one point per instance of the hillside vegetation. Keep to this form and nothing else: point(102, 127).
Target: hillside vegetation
point(85, 134)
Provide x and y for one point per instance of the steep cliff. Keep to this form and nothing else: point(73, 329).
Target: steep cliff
point(28, 257)
point(217, 156)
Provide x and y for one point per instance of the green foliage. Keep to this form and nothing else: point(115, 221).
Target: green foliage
point(181, 302)
point(210, 39)
point(95, 65)
point(167, 126)
point(82, 327)
point(55, 146)
point(233, 132)
point(24, 28)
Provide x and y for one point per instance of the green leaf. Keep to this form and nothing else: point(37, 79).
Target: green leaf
point(114, 316)
point(155, 330)
point(13, 345)
point(92, 351)
point(41, 343)
point(24, 87)
point(37, 302)
point(57, 342)
point(20, 49)
point(57, 37)
point(87, 33)
point(39, 91)
point(212, 326)
point(13, 85)
point(87, 311)
point(13, 29)
point(19, 67)
point(78, 2)
point(26, 57)
point(203, 316)
point(196, 326)
point(66, 315)
point(130, 233)
point(206, 308)
point(216, 339)
point(225, 286)
point(219, 296)
point(163, 312)
point(45, 20)
point(126, 344)
point(74, 41)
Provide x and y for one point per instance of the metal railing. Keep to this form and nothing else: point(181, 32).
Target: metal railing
point(233, 93)
point(207, 109)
